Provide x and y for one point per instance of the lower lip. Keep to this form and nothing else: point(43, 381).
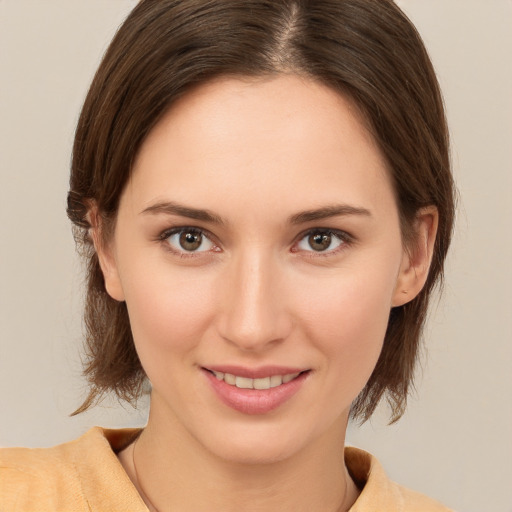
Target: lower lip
point(255, 401)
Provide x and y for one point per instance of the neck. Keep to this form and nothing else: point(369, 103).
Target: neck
point(172, 471)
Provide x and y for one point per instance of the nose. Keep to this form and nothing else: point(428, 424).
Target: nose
point(253, 308)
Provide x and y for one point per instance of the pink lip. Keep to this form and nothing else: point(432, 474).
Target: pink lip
point(255, 373)
point(254, 401)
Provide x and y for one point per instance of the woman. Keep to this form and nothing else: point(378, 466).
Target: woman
point(264, 198)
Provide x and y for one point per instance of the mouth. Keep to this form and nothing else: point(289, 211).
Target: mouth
point(255, 391)
point(261, 383)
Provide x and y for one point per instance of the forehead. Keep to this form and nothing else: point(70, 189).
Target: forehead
point(266, 138)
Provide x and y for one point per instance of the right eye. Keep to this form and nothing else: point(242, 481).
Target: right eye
point(188, 240)
point(323, 241)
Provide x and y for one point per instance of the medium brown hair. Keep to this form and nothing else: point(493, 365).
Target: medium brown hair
point(367, 50)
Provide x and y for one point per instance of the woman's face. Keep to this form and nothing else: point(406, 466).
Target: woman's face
point(257, 238)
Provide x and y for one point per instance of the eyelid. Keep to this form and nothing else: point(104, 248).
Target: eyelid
point(342, 235)
point(346, 239)
point(167, 233)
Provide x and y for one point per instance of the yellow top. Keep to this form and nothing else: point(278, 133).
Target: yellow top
point(85, 475)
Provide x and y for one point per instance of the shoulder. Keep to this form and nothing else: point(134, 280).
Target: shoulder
point(29, 474)
point(71, 476)
point(381, 493)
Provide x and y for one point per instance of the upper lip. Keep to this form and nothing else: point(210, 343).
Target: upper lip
point(255, 373)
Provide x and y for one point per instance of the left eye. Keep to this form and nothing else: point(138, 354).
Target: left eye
point(189, 240)
point(320, 241)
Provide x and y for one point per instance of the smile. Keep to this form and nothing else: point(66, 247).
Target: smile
point(255, 391)
point(261, 383)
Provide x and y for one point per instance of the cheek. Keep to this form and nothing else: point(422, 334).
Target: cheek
point(355, 301)
point(168, 310)
point(347, 319)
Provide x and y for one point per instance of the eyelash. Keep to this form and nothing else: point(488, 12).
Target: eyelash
point(164, 237)
point(345, 240)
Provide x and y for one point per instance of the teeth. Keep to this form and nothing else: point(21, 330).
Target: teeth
point(262, 383)
point(276, 380)
point(229, 379)
point(244, 383)
point(288, 378)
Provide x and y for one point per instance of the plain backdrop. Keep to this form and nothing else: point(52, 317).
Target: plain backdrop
point(455, 442)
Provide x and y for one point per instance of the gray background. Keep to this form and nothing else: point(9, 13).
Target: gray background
point(455, 442)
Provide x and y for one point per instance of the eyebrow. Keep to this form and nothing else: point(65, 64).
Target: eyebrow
point(171, 208)
point(328, 211)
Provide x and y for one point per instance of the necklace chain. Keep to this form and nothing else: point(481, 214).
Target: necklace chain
point(145, 496)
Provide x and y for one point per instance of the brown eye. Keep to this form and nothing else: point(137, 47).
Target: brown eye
point(320, 241)
point(190, 241)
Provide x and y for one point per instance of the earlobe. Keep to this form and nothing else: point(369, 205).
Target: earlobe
point(417, 257)
point(105, 254)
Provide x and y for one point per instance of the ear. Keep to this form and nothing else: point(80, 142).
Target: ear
point(417, 257)
point(105, 252)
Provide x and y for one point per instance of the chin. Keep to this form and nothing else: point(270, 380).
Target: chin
point(264, 441)
point(251, 451)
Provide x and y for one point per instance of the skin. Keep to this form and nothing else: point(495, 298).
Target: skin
point(256, 154)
